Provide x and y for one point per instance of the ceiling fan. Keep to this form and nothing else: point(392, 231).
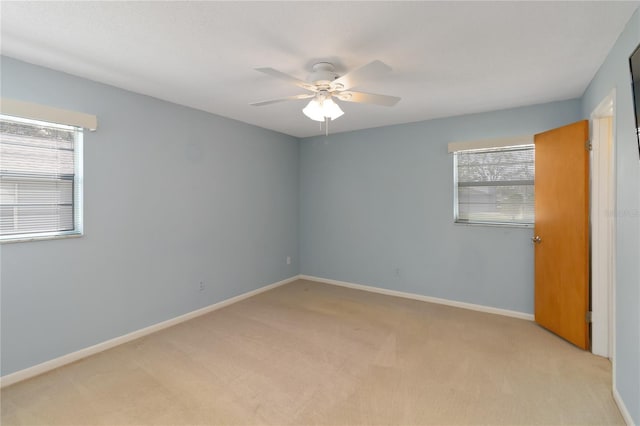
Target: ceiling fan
point(326, 85)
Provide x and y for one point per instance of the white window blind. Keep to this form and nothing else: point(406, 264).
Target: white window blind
point(40, 179)
point(495, 185)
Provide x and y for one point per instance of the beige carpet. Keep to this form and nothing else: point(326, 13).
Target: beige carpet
point(308, 353)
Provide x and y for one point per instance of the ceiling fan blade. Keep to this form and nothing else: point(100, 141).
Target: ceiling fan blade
point(367, 98)
point(288, 98)
point(353, 78)
point(286, 77)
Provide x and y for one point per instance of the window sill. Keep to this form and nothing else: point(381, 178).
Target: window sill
point(41, 238)
point(496, 225)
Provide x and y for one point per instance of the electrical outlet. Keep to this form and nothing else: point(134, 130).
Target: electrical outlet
point(288, 260)
point(201, 288)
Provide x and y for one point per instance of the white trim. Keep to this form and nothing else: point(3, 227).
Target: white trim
point(454, 303)
point(38, 112)
point(602, 206)
point(490, 143)
point(623, 408)
point(36, 370)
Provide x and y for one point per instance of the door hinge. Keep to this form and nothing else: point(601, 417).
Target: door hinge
point(588, 145)
point(587, 317)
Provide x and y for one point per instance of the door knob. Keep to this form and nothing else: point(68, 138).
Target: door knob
point(536, 239)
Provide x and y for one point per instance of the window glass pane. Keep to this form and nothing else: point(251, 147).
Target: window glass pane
point(35, 219)
point(495, 186)
point(40, 150)
point(38, 178)
point(495, 166)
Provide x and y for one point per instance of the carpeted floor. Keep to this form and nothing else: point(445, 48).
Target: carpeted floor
point(309, 353)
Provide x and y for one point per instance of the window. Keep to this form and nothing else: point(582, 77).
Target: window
point(40, 179)
point(494, 186)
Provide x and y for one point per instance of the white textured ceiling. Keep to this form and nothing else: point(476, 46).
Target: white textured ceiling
point(448, 58)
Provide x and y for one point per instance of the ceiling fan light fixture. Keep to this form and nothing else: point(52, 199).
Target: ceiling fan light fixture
point(331, 109)
point(313, 110)
point(320, 109)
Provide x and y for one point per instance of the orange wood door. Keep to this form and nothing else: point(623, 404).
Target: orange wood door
point(562, 225)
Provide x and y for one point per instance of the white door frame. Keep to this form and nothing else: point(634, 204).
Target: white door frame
point(603, 223)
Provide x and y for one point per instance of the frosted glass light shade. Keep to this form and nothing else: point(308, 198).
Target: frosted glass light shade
point(313, 110)
point(318, 110)
point(331, 109)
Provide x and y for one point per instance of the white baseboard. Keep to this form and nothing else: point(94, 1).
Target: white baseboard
point(454, 303)
point(29, 372)
point(623, 408)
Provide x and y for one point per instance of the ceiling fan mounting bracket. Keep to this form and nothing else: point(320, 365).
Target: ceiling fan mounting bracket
point(322, 74)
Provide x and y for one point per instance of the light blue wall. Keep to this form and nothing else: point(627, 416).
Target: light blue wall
point(377, 209)
point(614, 74)
point(173, 196)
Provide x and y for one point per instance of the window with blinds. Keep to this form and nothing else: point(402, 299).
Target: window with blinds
point(495, 186)
point(40, 179)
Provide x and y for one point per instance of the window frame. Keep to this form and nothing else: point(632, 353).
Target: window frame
point(78, 186)
point(456, 203)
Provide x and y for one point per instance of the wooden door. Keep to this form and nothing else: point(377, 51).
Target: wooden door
point(561, 236)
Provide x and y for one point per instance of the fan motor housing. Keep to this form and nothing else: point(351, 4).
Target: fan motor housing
point(323, 73)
